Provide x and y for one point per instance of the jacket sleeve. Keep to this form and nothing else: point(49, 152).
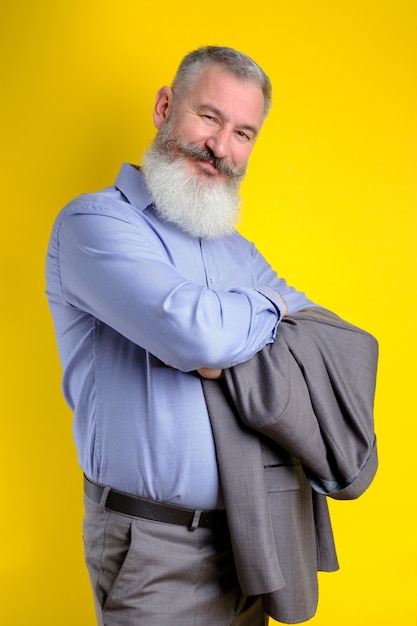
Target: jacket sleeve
point(312, 392)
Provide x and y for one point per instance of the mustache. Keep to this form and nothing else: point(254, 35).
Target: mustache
point(207, 155)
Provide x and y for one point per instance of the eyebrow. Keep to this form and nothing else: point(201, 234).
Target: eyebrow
point(213, 109)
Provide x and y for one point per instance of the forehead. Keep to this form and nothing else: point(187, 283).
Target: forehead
point(215, 87)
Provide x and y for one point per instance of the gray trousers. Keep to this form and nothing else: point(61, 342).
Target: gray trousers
point(147, 573)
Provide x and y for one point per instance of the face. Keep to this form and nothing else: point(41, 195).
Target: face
point(220, 115)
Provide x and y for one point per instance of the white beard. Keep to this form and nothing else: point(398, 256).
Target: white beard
point(201, 206)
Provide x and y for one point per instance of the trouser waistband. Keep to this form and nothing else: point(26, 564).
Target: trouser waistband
point(137, 506)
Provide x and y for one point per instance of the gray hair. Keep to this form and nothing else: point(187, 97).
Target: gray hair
point(232, 61)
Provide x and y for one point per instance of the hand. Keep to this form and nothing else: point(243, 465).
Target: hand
point(284, 306)
point(207, 372)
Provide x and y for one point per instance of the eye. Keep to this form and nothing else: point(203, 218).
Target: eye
point(208, 118)
point(242, 135)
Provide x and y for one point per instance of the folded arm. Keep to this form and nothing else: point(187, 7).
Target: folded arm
point(124, 277)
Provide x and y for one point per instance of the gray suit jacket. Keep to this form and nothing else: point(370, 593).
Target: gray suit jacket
point(292, 426)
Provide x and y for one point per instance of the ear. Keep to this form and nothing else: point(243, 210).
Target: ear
point(163, 106)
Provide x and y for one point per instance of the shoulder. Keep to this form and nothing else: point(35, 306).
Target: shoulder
point(96, 212)
point(107, 201)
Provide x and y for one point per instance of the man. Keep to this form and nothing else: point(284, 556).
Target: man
point(149, 283)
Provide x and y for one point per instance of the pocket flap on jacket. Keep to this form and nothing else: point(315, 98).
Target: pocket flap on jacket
point(284, 477)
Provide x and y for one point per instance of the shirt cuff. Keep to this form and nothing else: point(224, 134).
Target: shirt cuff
point(273, 297)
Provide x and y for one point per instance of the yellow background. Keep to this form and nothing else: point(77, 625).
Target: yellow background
point(330, 199)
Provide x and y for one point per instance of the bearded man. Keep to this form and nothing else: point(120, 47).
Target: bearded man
point(150, 285)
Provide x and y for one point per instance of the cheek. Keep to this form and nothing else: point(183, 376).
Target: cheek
point(190, 132)
point(241, 155)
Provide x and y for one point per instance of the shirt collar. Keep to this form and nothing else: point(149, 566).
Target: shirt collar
point(131, 184)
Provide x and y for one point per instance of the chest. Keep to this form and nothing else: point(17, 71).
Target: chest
point(221, 264)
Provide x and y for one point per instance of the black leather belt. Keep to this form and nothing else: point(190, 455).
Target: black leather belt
point(122, 502)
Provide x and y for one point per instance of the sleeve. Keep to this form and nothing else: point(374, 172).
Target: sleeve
point(113, 270)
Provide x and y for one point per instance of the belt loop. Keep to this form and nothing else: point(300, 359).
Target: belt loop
point(195, 521)
point(104, 495)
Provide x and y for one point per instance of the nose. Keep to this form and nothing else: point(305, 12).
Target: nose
point(219, 143)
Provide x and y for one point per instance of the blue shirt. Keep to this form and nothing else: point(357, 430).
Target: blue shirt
point(129, 294)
